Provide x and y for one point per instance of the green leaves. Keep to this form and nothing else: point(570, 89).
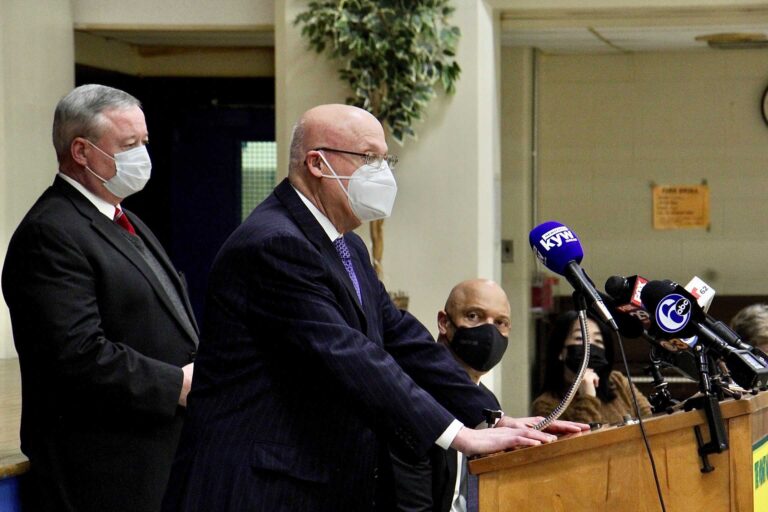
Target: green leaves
point(393, 53)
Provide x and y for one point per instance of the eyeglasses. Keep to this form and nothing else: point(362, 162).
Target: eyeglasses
point(372, 159)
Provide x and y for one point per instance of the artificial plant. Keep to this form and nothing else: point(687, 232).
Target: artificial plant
point(393, 55)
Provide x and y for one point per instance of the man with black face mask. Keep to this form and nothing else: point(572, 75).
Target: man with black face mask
point(473, 326)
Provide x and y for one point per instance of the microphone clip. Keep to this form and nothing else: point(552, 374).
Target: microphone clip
point(661, 399)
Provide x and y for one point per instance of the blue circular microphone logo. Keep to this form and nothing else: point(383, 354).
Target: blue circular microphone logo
point(673, 313)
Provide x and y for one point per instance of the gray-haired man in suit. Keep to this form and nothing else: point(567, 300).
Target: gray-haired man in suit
point(101, 320)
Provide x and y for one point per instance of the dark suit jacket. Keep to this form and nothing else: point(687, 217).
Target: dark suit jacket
point(428, 484)
point(100, 348)
point(297, 384)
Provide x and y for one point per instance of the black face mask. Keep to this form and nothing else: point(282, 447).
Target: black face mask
point(574, 355)
point(481, 347)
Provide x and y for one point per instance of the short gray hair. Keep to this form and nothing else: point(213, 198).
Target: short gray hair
point(297, 147)
point(79, 114)
point(751, 323)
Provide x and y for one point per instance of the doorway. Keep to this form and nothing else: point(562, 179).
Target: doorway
point(197, 129)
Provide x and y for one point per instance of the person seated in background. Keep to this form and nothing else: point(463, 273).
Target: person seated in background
point(603, 395)
point(473, 327)
point(751, 323)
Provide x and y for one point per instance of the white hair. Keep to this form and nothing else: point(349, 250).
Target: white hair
point(79, 114)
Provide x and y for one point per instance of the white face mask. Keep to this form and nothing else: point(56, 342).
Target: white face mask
point(133, 169)
point(371, 191)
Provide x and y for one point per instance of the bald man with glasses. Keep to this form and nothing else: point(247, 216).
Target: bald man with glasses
point(306, 368)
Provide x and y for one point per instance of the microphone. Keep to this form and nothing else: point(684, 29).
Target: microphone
point(701, 291)
point(626, 292)
point(558, 248)
point(636, 321)
point(676, 314)
point(630, 324)
point(700, 320)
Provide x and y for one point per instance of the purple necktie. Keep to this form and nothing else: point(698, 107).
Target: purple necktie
point(346, 259)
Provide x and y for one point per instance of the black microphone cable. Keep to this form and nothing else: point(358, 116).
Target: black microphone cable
point(640, 422)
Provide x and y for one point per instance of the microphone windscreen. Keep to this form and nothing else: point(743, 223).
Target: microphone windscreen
point(654, 292)
point(671, 311)
point(555, 246)
point(629, 326)
point(619, 288)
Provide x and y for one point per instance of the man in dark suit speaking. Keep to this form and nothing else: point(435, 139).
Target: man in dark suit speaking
point(101, 321)
point(306, 368)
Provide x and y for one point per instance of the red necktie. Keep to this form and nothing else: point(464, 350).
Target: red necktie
point(122, 220)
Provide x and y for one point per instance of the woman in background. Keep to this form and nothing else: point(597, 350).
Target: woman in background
point(603, 395)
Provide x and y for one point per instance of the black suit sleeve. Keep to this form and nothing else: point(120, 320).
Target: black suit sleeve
point(295, 292)
point(429, 364)
point(53, 296)
point(433, 368)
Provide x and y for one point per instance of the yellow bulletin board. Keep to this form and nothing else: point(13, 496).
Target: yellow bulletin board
point(680, 206)
point(760, 474)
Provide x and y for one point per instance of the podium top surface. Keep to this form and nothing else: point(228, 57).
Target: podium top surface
point(606, 435)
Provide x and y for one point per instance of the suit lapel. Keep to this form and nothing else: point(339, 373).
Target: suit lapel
point(154, 245)
point(106, 229)
point(315, 234)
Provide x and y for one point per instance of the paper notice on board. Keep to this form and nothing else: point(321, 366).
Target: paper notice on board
point(680, 206)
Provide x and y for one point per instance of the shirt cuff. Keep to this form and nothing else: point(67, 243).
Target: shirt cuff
point(447, 437)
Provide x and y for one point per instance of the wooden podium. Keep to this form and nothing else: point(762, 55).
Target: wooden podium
point(608, 470)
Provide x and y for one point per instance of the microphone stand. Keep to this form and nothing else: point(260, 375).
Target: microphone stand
point(708, 401)
point(724, 382)
point(660, 399)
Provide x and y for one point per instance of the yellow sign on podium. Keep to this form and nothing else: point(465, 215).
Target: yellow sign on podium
point(760, 474)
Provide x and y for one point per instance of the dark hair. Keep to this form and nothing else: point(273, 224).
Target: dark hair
point(554, 372)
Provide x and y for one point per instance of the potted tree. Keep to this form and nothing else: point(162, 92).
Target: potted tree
point(394, 54)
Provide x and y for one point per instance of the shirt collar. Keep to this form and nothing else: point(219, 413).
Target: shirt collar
point(324, 221)
point(108, 209)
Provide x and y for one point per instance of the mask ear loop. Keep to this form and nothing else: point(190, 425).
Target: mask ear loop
point(101, 150)
point(103, 180)
point(334, 175)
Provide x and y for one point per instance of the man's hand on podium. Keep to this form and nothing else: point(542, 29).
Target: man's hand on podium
point(511, 433)
point(490, 440)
